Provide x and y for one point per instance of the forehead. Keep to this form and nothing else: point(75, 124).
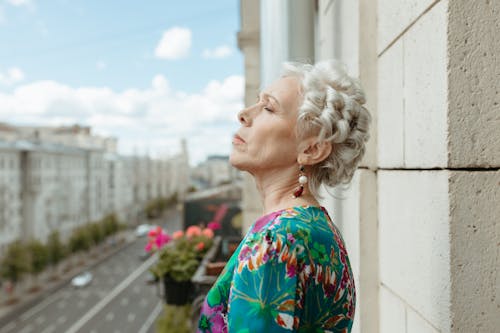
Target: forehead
point(286, 90)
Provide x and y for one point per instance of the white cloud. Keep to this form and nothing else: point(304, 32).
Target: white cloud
point(152, 119)
point(160, 83)
point(222, 51)
point(27, 4)
point(19, 2)
point(11, 76)
point(174, 44)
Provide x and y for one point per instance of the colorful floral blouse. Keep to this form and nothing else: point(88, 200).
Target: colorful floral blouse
point(291, 273)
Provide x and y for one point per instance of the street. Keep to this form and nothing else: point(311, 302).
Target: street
point(117, 300)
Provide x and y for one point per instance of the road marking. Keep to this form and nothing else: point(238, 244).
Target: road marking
point(61, 320)
point(131, 317)
point(150, 320)
point(39, 307)
point(109, 297)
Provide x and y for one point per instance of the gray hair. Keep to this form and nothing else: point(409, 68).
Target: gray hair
point(332, 109)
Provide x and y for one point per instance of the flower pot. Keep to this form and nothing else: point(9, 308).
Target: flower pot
point(177, 293)
point(215, 268)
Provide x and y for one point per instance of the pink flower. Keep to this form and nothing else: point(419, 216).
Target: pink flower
point(178, 234)
point(153, 232)
point(208, 233)
point(162, 239)
point(157, 238)
point(193, 231)
point(200, 246)
point(214, 225)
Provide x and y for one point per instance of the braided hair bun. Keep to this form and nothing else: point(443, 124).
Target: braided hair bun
point(332, 109)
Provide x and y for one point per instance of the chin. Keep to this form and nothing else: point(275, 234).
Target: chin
point(236, 162)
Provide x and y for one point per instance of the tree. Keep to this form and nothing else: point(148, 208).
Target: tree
point(79, 240)
point(110, 225)
point(55, 247)
point(55, 250)
point(39, 258)
point(96, 233)
point(15, 263)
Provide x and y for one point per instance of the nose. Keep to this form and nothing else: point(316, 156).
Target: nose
point(244, 117)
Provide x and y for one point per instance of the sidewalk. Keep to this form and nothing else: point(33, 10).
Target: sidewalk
point(27, 300)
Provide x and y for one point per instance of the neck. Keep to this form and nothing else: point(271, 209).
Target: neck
point(276, 189)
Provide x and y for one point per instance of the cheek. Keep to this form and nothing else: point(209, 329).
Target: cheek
point(277, 143)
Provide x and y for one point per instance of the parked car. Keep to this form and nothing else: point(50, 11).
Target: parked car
point(82, 280)
point(142, 230)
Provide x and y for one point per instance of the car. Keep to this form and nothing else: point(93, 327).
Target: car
point(142, 230)
point(82, 280)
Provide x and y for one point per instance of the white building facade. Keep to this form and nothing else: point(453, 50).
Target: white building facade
point(46, 186)
point(420, 218)
point(10, 194)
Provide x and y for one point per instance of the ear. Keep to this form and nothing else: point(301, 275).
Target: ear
point(313, 152)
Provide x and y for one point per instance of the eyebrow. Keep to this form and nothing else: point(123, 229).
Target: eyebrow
point(271, 96)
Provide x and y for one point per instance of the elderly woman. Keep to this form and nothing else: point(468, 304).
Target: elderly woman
point(291, 271)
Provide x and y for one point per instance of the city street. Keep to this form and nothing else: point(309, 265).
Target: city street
point(117, 300)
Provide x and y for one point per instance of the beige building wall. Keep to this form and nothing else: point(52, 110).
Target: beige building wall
point(438, 174)
point(420, 217)
point(249, 44)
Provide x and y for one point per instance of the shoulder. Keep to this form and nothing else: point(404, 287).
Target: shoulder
point(315, 234)
point(285, 237)
point(307, 224)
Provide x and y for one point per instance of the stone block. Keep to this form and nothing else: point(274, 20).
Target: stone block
point(473, 76)
point(392, 313)
point(475, 251)
point(425, 91)
point(416, 324)
point(390, 109)
point(414, 240)
point(395, 16)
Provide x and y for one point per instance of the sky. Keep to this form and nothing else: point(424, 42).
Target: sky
point(147, 72)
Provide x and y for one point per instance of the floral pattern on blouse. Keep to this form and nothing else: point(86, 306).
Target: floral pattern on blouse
point(290, 273)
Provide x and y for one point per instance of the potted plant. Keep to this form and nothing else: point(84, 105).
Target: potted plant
point(179, 256)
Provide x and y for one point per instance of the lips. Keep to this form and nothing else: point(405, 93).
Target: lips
point(237, 140)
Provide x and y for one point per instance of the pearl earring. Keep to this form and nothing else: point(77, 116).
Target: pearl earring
point(302, 181)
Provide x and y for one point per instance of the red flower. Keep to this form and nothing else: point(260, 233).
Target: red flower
point(200, 246)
